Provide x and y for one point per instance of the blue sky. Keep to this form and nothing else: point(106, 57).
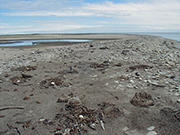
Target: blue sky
point(89, 16)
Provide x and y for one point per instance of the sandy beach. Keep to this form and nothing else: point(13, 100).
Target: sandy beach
point(118, 84)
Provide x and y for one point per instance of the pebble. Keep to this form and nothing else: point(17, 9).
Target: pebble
point(125, 129)
point(151, 128)
point(152, 133)
point(131, 81)
point(38, 101)
point(116, 81)
point(176, 94)
point(178, 100)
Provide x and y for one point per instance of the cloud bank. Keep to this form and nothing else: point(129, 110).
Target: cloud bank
point(59, 16)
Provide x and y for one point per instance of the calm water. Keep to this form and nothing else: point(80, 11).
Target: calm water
point(174, 36)
point(32, 42)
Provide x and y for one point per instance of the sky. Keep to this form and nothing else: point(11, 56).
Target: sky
point(89, 16)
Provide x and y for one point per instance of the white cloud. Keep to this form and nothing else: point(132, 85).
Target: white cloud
point(43, 26)
point(142, 15)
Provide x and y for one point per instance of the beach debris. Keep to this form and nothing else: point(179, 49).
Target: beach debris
point(1, 116)
point(54, 82)
point(26, 76)
point(141, 66)
point(169, 114)
point(73, 102)
point(11, 127)
point(26, 98)
point(97, 65)
point(38, 101)
point(25, 125)
point(48, 122)
point(6, 75)
point(142, 99)
point(123, 77)
point(15, 89)
point(26, 68)
point(69, 71)
point(11, 107)
point(110, 110)
point(76, 117)
point(17, 80)
point(124, 52)
point(118, 65)
point(103, 48)
point(63, 98)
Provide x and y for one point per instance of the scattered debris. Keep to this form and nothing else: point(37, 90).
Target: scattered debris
point(68, 71)
point(97, 65)
point(38, 101)
point(17, 80)
point(53, 81)
point(118, 65)
point(63, 98)
point(1, 116)
point(15, 89)
point(103, 48)
point(26, 76)
point(11, 107)
point(11, 127)
point(48, 122)
point(26, 98)
point(141, 66)
point(26, 68)
point(142, 99)
point(124, 52)
point(75, 117)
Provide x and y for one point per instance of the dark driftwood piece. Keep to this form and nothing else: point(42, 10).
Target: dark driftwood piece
point(11, 107)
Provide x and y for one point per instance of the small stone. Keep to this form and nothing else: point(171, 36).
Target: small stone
point(107, 84)
point(142, 99)
point(176, 94)
point(116, 81)
point(152, 133)
point(151, 128)
point(6, 75)
point(73, 102)
point(31, 94)
point(15, 89)
point(178, 100)
point(38, 101)
point(125, 129)
point(26, 98)
point(131, 81)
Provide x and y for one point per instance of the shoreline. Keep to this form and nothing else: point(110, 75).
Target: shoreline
point(95, 36)
point(125, 86)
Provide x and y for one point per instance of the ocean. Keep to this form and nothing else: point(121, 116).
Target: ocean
point(170, 35)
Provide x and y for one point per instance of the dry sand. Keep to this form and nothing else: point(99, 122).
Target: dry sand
point(98, 81)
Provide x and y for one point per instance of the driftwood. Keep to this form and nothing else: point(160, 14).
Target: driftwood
point(11, 107)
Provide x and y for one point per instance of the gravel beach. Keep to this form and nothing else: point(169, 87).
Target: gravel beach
point(117, 84)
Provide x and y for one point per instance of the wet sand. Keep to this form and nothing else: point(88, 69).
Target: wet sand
point(88, 88)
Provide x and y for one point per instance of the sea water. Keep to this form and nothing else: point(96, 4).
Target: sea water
point(170, 35)
point(32, 42)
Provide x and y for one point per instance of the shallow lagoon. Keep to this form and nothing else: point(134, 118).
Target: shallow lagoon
point(37, 42)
